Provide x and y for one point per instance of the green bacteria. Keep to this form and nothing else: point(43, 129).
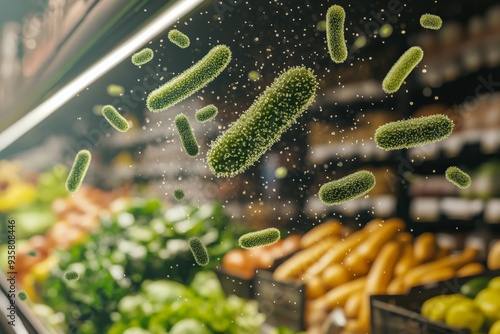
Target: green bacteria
point(179, 194)
point(32, 253)
point(429, 21)
point(78, 171)
point(186, 134)
point(115, 119)
point(260, 238)
point(115, 90)
point(71, 275)
point(249, 137)
point(253, 75)
point(190, 81)
point(206, 113)
point(22, 295)
point(199, 251)
point(413, 132)
point(178, 38)
point(142, 57)
point(347, 188)
point(401, 69)
point(458, 177)
point(337, 48)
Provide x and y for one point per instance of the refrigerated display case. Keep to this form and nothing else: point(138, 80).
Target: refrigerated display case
point(64, 60)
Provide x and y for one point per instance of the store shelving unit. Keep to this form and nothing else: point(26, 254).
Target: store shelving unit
point(453, 77)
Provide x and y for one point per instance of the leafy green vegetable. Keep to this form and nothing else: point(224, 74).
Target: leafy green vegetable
point(200, 308)
point(143, 242)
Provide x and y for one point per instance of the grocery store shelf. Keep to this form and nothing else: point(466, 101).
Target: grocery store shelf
point(362, 91)
point(453, 209)
point(485, 142)
point(380, 206)
point(364, 151)
point(474, 57)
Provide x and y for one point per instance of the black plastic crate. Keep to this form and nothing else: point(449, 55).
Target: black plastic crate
point(400, 314)
point(283, 303)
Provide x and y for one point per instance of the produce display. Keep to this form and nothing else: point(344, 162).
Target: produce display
point(341, 269)
point(165, 306)
point(94, 262)
point(476, 308)
point(44, 212)
point(139, 240)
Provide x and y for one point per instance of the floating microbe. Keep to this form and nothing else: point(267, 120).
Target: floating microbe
point(186, 134)
point(430, 21)
point(199, 251)
point(114, 118)
point(78, 171)
point(206, 113)
point(413, 132)
point(97, 109)
point(337, 47)
point(178, 38)
point(347, 188)
point(142, 57)
point(401, 69)
point(22, 295)
point(280, 172)
point(249, 137)
point(260, 238)
point(179, 194)
point(190, 81)
point(385, 30)
point(321, 25)
point(253, 75)
point(115, 90)
point(360, 42)
point(458, 177)
point(71, 275)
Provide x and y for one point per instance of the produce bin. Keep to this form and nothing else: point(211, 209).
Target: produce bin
point(234, 285)
point(242, 287)
point(400, 314)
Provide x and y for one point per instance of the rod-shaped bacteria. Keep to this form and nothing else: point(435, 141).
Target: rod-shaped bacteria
point(186, 134)
point(413, 132)
point(178, 38)
point(78, 171)
point(249, 137)
point(260, 238)
point(179, 194)
point(458, 177)
point(71, 275)
point(337, 47)
point(142, 57)
point(401, 69)
point(206, 113)
point(430, 21)
point(191, 80)
point(199, 251)
point(347, 188)
point(114, 118)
